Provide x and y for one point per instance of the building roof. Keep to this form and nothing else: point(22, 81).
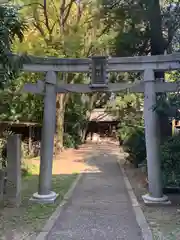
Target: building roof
point(101, 115)
point(19, 123)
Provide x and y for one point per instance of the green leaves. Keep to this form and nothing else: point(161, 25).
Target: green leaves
point(143, 26)
point(170, 156)
point(134, 144)
point(16, 105)
point(169, 104)
point(11, 26)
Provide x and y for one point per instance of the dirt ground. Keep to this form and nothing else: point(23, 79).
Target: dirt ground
point(163, 220)
point(70, 160)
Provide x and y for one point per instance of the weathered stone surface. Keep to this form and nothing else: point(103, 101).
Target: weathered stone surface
point(2, 175)
point(47, 142)
point(13, 189)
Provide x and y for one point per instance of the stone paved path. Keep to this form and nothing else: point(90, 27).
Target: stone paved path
point(100, 208)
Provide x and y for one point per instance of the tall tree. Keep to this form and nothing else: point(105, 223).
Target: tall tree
point(11, 26)
point(65, 28)
point(141, 23)
point(148, 28)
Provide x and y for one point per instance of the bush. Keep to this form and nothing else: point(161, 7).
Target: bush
point(134, 144)
point(3, 148)
point(68, 141)
point(30, 153)
point(124, 132)
point(170, 161)
point(71, 141)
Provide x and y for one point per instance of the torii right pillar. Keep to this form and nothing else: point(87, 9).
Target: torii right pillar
point(155, 194)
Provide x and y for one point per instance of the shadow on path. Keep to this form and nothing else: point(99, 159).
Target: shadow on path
point(100, 208)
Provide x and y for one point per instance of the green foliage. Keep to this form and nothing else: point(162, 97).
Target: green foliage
point(11, 26)
point(128, 109)
point(26, 170)
point(59, 29)
point(73, 29)
point(69, 141)
point(3, 147)
point(170, 161)
point(18, 106)
point(134, 144)
point(168, 105)
point(143, 26)
point(124, 131)
point(75, 121)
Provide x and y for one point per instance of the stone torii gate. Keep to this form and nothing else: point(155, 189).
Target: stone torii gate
point(99, 67)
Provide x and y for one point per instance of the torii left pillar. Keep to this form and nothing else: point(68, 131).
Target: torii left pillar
point(44, 194)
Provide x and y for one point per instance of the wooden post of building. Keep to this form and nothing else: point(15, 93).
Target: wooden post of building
point(173, 126)
point(30, 140)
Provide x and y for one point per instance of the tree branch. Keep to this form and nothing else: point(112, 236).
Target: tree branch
point(100, 35)
point(61, 16)
point(46, 17)
point(68, 7)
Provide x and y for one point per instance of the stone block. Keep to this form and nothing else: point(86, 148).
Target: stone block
point(13, 188)
point(2, 178)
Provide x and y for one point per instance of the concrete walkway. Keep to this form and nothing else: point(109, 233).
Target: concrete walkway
point(100, 208)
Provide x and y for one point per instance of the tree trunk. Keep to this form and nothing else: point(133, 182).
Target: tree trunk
point(158, 48)
point(60, 111)
point(155, 21)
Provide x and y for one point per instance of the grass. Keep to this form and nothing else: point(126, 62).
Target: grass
point(27, 220)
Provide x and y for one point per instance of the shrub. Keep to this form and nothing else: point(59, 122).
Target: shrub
point(170, 161)
point(68, 140)
point(134, 144)
point(124, 132)
point(3, 148)
point(71, 141)
point(33, 152)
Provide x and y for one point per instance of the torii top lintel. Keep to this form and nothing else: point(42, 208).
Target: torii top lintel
point(114, 64)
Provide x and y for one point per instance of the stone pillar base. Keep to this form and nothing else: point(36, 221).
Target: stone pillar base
point(49, 198)
point(148, 199)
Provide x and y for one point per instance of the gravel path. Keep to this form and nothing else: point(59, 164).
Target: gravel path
point(100, 208)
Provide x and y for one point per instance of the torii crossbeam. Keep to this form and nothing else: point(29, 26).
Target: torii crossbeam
point(138, 87)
